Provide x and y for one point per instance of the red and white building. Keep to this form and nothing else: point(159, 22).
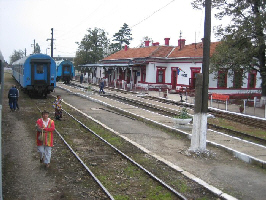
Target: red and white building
point(166, 66)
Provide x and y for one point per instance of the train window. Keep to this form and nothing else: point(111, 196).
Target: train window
point(39, 69)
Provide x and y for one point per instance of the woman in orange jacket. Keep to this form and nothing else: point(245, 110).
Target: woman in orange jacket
point(44, 138)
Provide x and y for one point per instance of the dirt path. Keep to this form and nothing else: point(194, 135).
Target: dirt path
point(23, 175)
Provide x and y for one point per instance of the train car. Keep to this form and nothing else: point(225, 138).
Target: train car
point(65, 70)
point(36, 74)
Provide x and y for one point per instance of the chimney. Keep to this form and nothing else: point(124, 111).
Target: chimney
point(155, 44)
point(166, 41)
point(181, 43)
point(125, 48)
point(147, 43)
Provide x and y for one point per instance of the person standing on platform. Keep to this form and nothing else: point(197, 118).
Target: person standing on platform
point(81, 78)
point(58, 107)
point(44, 138)
point(101, 87)
point(12, 96)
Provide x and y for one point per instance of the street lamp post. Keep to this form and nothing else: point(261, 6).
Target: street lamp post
point(46, 50)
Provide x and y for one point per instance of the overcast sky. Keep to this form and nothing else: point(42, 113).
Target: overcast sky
point(22, 21)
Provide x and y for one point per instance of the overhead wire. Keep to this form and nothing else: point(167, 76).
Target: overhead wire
point(152, 14)
point(81, 22)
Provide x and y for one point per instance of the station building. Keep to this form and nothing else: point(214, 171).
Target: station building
point(156, 66)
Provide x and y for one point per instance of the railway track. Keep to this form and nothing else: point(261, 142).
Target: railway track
point(172, 113)
point(245, 119)
point(113, 156)
point(242, 119)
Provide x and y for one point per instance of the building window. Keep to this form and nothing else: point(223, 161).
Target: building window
point(252, 79)
point(160, 78)
point(222, 79)
point(237, 80)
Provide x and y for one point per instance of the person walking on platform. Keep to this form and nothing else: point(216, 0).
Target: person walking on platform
point(58, 107)
point(12, 96)
point(81, 78)
point(101, 87)
point(44, 138)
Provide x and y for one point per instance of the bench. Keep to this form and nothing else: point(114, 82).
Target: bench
point(220, 97)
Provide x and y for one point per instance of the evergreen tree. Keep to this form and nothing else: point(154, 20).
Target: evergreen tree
point(243, 40)
point(121, 38)
point(16, 56)
point(92, 48)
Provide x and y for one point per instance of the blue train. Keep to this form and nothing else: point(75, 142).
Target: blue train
point(36, 74)
point(64, 70)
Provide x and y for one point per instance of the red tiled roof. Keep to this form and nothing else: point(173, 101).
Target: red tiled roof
point(132, 53)
point(162, 51)
point(192, 51)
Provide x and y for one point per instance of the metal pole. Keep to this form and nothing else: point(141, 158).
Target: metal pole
point(265, 111)
point(52, 43)
point(244, 106)
point(226, 104)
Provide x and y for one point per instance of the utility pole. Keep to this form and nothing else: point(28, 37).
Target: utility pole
point(33, 46)
point(198, 139)
point(25, 52)
point(52, 42)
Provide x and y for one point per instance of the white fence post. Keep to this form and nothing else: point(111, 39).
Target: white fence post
point(244, 106)
point(265, 110)
point(226, 104)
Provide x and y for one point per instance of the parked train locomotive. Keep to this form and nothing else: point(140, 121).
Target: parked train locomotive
point(36, 74)
point(65, 70)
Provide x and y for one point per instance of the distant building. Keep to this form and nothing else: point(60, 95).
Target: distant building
point(155, 66)
point(64, 58)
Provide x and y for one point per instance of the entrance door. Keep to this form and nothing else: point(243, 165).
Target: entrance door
point(174, 78)
point(192, 81)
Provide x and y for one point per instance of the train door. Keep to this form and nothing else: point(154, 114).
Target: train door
point(66, 70)
point(40, 72)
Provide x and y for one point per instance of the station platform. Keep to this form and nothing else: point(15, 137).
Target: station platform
point(221, 169)
point(244, 150)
